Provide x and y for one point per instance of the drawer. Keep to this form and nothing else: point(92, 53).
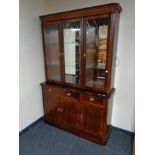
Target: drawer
point(92, 98)
point(51, 89)
point(69, 93)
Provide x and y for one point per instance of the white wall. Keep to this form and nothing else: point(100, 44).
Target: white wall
point(31, 70)
point(31, 59)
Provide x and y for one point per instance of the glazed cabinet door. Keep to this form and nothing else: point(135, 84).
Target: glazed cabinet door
point(52, 50)
point(96, 51)
point(93, 119)
point(72, 51)
point(52, 104)
point(71, 112)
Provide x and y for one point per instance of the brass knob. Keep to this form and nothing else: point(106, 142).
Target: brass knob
point(91, 99)
point(68, 94)
point(49, 90)
point(106, 71)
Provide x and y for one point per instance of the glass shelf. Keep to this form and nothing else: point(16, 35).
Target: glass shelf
point(72, 51)
point(52, 50)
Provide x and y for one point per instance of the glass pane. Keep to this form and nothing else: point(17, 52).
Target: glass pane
point(72, 52)
point(51, 35)
point(96, 48)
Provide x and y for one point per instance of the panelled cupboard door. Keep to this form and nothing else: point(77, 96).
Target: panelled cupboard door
point(71, 112)
point(52, 105)
point(72, 34)
point(96, 50)
point(93, 119)
point(52, 49)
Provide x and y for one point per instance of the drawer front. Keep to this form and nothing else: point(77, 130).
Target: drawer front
point(51, 89)
point(92, 99)
point(69, 94)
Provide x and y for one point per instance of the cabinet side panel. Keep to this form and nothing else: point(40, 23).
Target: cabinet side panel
point(109, 110)
point(114, 56)
point(43, 41)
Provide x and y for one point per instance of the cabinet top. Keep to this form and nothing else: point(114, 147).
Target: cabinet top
point(90, 11)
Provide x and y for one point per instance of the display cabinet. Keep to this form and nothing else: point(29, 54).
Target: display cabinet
point(79, 54)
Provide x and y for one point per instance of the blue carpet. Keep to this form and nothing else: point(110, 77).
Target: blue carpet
point(43, 139)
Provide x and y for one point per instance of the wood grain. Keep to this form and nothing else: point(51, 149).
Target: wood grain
point(77, 108)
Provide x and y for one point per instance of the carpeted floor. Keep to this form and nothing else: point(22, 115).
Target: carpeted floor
point(43, 139)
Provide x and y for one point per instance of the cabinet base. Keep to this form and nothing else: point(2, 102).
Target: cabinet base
point(98, 140)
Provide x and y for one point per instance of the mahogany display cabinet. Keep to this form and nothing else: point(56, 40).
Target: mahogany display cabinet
point(79, 54)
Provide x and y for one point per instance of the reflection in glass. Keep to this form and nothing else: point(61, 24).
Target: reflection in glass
point(96, 48)
point(72, 52)
point(51, 36)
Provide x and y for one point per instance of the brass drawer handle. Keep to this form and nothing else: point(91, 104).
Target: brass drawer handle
point(91, 99)
point(81, 116)
point(68, 94)
point(49, 90)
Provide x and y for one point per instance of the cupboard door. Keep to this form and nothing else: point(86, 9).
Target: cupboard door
point(96, 48)
point(93, 119)
point(52, 105)
point(52, 50)
point(71, 112)
point(72, 51)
